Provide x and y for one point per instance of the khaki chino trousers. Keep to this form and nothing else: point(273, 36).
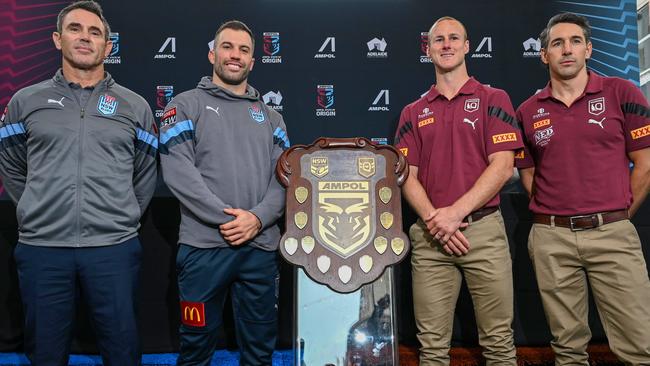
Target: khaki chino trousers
point(436, 283)
point(609, 258)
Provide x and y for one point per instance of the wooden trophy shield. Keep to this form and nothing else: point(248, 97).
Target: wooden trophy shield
point(343, 210)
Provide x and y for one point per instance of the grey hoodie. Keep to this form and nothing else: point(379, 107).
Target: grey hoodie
point(80, 175)
point(219, 150)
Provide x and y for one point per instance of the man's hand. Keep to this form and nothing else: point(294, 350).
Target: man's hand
point(444, 224)
point(243, 228)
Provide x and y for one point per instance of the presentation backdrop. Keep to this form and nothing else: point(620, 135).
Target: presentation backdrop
point(336, 68)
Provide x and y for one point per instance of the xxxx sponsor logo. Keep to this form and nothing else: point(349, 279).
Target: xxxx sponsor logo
point(405, 151)
point(542, 123)
point(504, 137)
point(519, 154)
point(425, 122)
point(640, 132)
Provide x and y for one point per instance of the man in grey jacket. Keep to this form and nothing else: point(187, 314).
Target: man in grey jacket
point(219, 145)
point(78, 157)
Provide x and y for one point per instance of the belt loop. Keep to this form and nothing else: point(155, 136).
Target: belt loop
point(600, 219)
point(552, 221)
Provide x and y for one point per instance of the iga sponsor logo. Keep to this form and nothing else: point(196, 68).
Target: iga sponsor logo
point(375, 107)
point(597, 106)
point(114, 57)
point(484, 49)
point(170, 43)
point(330, 42)
point(377, 48)
point(271, 48)
point(325, 101)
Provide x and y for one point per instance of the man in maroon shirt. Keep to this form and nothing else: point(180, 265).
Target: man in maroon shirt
point(459, 141)
point(581, 133)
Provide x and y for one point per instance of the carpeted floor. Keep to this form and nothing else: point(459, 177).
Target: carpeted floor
point(599, 355)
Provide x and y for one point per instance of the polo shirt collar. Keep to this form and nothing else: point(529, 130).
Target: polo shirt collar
point(468, 88)
point(594, 85)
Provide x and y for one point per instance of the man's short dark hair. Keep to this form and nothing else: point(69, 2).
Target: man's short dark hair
point(578, 20)
point(235, 25)
point(86, 5)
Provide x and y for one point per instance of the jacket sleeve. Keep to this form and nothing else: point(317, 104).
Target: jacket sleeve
point(271, 208)
point(146, 148)
point(177, 159)
point(13, 150)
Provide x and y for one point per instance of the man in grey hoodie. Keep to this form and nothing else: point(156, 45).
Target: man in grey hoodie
point(78, 157)
point(219, 146)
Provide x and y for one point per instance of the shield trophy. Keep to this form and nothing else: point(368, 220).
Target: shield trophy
point(343, 232)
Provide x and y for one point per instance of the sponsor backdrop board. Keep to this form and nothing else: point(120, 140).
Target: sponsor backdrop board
point(337, 68)
point(332, 68)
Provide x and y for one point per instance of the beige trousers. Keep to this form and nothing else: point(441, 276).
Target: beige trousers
point(436, 283)
point(609, 258)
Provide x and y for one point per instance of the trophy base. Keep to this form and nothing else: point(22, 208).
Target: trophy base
point(353, 329)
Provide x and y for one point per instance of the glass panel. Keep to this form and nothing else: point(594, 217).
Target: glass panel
point(355, 329)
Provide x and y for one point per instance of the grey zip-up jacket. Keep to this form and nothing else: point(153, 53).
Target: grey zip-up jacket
point(81, 176)
point(219, 150)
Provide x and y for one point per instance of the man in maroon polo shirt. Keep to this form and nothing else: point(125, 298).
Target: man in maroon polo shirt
point(459, 141)
point(581, 133)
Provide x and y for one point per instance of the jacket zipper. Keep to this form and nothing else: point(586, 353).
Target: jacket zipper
point(79, 182)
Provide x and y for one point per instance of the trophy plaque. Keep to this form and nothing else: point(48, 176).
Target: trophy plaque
point(343, 232)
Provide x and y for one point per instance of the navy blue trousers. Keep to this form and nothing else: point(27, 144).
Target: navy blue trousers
point(50, 279)
point(204, 278)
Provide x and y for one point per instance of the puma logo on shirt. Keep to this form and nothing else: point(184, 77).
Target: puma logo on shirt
point(467, 120)
point(59, 102)
point(599, 123)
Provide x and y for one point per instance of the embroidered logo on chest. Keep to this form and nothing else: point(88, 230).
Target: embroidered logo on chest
point(472, 105)
point(107, 105)
point(256, 113)
point(542, 137)
point(596, 106)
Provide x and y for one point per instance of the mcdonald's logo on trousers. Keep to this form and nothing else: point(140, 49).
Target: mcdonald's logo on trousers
point(193, 313)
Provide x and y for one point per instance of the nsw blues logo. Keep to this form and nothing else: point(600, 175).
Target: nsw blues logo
point(256, 113)
point(107, 105)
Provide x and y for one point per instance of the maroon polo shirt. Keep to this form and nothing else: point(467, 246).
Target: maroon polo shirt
point(580, 152)
point(450, 140)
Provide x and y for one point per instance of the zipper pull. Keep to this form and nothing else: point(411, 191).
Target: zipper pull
point(82, 112)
